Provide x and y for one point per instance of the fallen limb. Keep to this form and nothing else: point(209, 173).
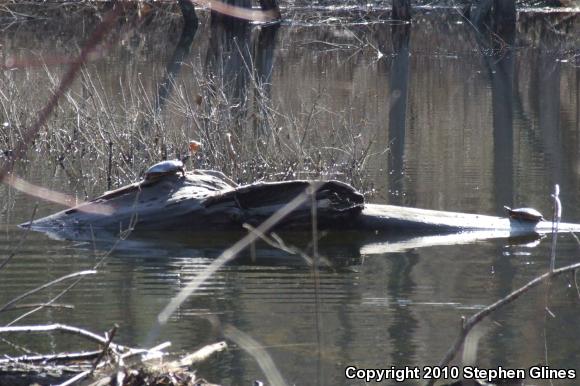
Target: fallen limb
point(110, 337)
point(76, 378)
point(35, 305)
point(61, 328)
point(91, 366)
point(201, 354)
point(85, 355)
point(469, 323)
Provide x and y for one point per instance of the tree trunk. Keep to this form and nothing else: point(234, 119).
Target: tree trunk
point(401, 10)
point(272, 6)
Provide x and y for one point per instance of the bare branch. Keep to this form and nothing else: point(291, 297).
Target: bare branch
point(56, 327)
point(52, 357)
point(44, 286)
point(111, 335)
point(35, 305)
point(472, 321)
point(555, 224)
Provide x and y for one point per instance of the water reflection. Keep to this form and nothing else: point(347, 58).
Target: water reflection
point(399, 84)
point(495, 34)
point(180, 54)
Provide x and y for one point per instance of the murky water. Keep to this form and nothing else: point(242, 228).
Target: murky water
point(465, 132)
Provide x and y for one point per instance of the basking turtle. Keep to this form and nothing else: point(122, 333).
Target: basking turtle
point(170, 167)
point(524, 214)
point(162, 169)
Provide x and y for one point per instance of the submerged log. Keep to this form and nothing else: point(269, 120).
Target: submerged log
point(209, 201)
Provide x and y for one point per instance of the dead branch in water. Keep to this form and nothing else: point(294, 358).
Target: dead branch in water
point(84, 355)
point(150, 366)
point(469, 323)
point(35, 305)
point(60, 328)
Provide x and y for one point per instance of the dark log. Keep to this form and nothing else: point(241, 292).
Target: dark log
point(209, 201)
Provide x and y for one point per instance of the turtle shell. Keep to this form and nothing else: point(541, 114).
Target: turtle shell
point(164, 168)
point(525, 214)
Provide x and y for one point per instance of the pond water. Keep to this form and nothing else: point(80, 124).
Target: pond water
point(468, 127)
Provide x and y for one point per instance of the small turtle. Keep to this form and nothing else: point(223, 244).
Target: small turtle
point(524, 214)
point(170, 167)
point(162, 169)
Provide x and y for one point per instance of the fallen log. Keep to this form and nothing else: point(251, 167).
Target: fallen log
point(209, 201)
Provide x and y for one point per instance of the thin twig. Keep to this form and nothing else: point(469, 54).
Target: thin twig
point(557, 214)
point(472, 321)
point(58, 327)
point(74, 284)
point(52, 357)
point(91, 44)
point(44, 286)
point(316, 278)
point(46, 304)
point(34, 305)
point(22, 239)
point(110, 337)
point(277, 242)
point(555, 224)
point(76, 378)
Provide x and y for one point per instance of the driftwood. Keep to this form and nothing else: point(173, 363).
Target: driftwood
point(112, 362)
point(208, 201)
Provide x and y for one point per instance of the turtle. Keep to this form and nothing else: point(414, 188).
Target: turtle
point(170, 167)
point(163, 168)
point(524, 214)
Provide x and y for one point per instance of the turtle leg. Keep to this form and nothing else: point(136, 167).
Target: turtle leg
point(182, 170)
